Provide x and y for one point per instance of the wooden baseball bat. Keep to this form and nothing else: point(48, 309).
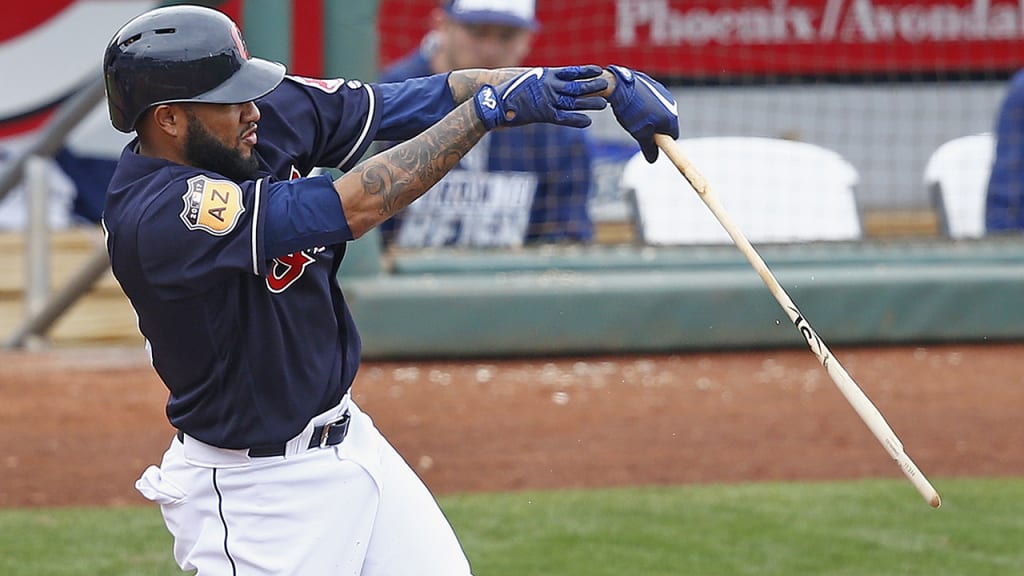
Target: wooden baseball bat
point(850, 390)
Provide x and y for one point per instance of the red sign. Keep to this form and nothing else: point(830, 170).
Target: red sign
point(759, 37)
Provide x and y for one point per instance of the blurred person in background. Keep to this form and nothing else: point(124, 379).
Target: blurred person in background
point(527, 184)
point(1005, 194)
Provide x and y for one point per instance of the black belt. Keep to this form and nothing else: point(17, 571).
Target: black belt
point(329, 434)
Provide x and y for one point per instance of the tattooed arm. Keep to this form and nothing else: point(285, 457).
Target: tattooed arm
point(386, 183)
point(465, 83)
point(382, 185)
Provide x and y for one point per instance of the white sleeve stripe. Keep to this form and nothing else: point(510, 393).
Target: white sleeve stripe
point(366, 127)
point(255, 224)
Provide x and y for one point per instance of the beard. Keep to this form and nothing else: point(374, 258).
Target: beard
point(203, 150)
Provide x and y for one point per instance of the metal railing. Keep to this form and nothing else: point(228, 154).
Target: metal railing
point(43, 309)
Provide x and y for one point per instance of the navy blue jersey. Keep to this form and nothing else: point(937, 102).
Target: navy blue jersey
point(524, 184)
point(235, 283)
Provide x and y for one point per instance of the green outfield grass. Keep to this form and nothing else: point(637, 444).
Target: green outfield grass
point(876, 528)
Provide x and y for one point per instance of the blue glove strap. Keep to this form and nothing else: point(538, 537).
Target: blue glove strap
point(488, 108)
point(552, 95)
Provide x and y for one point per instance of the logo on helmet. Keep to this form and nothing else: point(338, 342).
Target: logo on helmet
point(236, 35)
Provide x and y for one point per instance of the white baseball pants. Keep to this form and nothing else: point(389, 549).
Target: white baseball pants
point(355, 509)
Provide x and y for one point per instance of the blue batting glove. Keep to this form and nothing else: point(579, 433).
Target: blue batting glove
point(549, 95)
point(644, 108)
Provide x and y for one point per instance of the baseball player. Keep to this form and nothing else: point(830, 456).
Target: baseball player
point(229, 254)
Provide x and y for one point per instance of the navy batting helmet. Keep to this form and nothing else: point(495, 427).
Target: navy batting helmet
point(181, 54)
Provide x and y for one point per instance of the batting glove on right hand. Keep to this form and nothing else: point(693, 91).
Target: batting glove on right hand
point(644, 108)
point(549, 95)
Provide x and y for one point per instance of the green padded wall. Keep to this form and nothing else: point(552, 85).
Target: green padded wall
point(623, 301)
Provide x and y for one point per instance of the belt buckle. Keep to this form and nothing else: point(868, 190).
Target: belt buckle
point(326, 432)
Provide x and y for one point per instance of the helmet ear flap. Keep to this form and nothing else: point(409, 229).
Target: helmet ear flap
point(181, 54)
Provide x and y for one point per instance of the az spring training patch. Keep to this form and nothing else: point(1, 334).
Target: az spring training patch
point(213, 206)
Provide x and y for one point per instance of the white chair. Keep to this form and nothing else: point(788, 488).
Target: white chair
point(777, 191)
point(956, 177)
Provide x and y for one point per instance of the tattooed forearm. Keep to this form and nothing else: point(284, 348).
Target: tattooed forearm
point(465, 83)
point(391, 180)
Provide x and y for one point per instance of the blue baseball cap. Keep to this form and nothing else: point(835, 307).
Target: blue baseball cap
point(517, 13)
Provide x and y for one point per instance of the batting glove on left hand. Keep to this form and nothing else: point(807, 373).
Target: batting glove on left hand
point(644, 108)
point(551, 95)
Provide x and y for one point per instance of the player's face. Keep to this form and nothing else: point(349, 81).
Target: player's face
point(221, 137)
point(484, 45)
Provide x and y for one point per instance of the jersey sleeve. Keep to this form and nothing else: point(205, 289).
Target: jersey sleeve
point(320, 122)
point(303, 213)
point(202, 230)
point(331, 123)
point(411, 106)
point(199, 230)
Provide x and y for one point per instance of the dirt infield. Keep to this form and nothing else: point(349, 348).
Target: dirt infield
point(77, 426)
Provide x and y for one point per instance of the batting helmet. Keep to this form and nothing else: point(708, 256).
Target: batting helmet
point(181, 54)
